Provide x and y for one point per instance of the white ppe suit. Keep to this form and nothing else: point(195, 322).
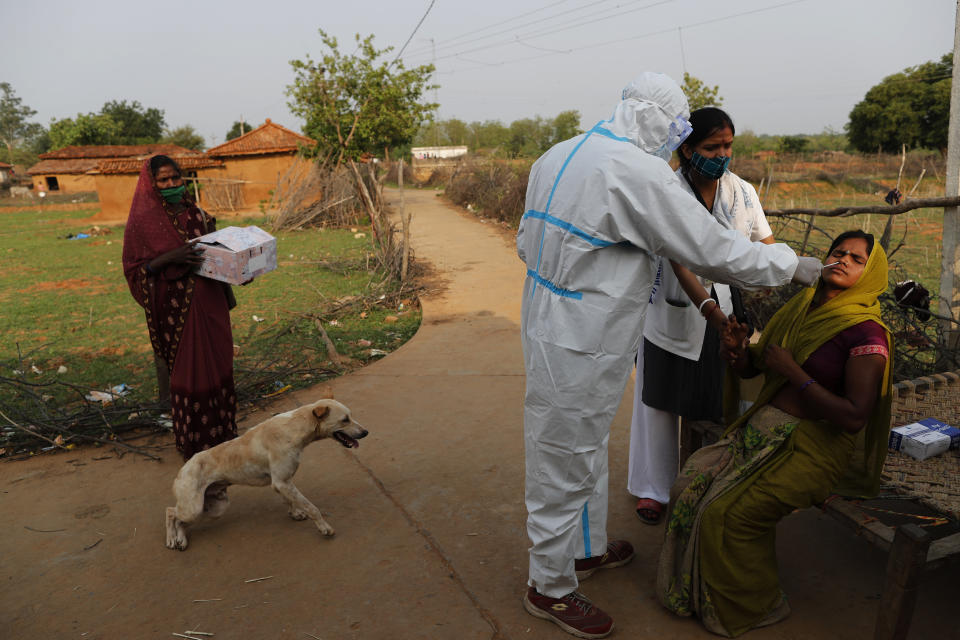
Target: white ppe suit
point(599, 208)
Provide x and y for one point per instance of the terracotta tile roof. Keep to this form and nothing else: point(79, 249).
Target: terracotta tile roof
point(87, 159)
point(267, 138)
point(133, 165)
point(4, 165)
point(118, 151)
point(70, 165)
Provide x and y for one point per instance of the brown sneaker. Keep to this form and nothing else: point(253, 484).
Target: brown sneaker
point(573, 613)
point(619, 553)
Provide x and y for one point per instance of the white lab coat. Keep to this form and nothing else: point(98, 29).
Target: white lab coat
point(654, 436)
point(679, 329)
point(599, 209)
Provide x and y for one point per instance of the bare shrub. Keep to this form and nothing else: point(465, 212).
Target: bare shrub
point(495, 187)
point(312, 194)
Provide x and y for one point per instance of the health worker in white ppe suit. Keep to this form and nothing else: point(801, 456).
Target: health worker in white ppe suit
point(599, 208)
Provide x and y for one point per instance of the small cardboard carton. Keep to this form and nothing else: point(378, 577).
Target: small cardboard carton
point(935, 425)
point(918, 441)
point(237, 254)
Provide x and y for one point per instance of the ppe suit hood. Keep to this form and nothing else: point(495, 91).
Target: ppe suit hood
point(650, 103)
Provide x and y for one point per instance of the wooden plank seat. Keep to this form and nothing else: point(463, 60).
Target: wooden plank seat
point(929, 489)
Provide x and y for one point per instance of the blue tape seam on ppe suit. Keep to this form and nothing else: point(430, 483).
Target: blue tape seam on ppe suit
point(566, 226)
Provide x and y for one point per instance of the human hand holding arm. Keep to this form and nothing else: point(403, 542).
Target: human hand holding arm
point(734, 337)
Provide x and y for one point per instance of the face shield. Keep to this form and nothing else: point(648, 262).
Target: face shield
point(678, 131)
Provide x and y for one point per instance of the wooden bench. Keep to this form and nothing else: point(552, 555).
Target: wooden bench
point(912, 550)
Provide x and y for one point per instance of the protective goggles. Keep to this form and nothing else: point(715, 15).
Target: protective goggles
point(679, 129)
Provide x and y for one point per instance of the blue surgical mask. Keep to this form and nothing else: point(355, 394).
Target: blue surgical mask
point(710, 167)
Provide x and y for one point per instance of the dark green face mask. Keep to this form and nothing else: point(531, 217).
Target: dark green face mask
point(173, 195)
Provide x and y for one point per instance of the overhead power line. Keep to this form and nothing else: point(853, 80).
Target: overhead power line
point(448, 44)
point(490, 26)
point(400, 53)
point(642, 36)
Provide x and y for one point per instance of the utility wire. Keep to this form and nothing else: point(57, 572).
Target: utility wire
point(490, 26)
point(399, 53)
point(643, 35)
point(555, 30)
point(451, 43)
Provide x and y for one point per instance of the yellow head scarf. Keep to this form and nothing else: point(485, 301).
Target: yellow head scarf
point(802, 331)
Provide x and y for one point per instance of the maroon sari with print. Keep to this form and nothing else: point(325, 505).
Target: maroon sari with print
point(187, 316)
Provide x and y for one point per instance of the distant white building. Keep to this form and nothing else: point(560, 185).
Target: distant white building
point(437, 153)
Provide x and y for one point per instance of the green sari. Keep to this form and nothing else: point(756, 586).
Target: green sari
point(719, 559)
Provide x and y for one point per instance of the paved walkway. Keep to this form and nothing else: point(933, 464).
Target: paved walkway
point(429, 510)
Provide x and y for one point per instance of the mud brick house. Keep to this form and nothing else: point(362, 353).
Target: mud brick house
point(251, 166)
point(69, 170)
point(116, 178)
point(6, 171)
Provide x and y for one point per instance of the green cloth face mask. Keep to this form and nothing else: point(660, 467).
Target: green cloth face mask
point(173, 195)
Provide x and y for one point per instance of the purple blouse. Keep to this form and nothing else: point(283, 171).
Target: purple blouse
point(826, 364)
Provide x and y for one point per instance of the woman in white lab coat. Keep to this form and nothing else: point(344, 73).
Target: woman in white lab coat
point(679, 370)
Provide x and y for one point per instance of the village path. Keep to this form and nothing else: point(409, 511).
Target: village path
point(429, 510)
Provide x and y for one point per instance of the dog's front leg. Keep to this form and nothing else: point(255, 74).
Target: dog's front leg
point(176, 533)
point(299, 504)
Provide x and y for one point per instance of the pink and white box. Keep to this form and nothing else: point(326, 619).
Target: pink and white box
point(237, 254)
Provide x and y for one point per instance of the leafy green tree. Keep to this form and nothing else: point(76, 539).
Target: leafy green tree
point(85, 129)
point(359, 103)
point(699, 94)
point(566, 125)
point(185, 136)
point(457, 131)
point(794, 144)
point(529, 137)
point(238, 129)
point(490, 134)
point(911, 107)
point(16, 132)
point(137, 125)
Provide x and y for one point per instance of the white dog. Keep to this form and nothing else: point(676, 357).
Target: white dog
point(268, 453)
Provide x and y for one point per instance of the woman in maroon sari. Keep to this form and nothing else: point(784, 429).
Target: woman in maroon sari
point(187, 315)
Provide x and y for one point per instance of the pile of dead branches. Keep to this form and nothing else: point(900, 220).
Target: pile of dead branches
point(315, 194)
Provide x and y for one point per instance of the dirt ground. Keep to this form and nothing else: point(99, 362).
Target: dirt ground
point(429, 511)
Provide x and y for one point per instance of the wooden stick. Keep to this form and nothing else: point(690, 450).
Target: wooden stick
point(258, 579)
point(903, 207)
point(328, 343)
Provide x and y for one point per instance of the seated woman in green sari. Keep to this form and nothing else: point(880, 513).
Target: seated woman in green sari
point(820, 425)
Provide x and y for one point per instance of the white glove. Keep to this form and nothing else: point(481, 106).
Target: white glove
point(808, 270)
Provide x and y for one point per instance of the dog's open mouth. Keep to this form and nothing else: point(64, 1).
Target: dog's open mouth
point(345, 440)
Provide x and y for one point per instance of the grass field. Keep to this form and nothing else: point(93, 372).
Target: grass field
point(64, 302)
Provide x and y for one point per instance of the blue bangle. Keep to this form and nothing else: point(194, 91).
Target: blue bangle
point(807, 384)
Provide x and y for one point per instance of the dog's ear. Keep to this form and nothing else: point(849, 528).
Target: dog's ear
point(321, 412)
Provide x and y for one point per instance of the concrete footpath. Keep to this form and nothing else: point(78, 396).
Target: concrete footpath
point(429, 510)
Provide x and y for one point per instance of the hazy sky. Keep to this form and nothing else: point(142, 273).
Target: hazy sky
point(783, 66)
